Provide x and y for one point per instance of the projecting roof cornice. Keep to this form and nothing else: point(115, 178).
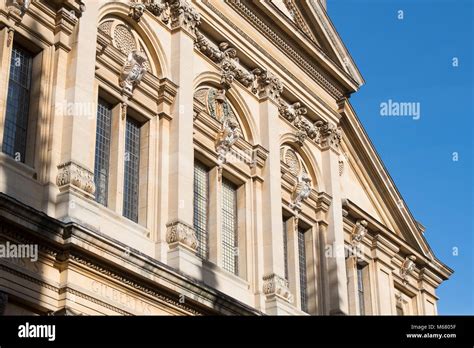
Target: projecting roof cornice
point(299, 47)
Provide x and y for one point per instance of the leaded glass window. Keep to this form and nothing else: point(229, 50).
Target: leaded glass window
point(201, 194)
point(302, 269)
point(18, 100)
point(229, 227)
point(360, 288)
point(131, 175)
point(102, 151)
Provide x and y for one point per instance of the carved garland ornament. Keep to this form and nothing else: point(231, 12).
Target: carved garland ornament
point(274, 285)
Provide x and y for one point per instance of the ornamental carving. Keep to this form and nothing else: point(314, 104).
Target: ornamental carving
point(72, 174)
point(133, 71)
point(226, 56)
point(359, 232)
point(291, 111)
point(183, 15)
point(274, 285)
point(226, 138)
point(267, 85)
point(407, 268)
point(301, 192)
point(19, 7)
point(137, 10)
point(160, 9)
point(331, 135)
point(178, 233)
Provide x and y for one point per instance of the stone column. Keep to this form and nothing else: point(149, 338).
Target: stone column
point(275, 285)
point(181, 236)
point(336, 264)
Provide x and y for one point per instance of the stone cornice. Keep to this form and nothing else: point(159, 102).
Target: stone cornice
point(282, 41)
point(377, 228)
point(73, 242)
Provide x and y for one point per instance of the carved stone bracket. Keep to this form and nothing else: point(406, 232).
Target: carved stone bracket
point(183, 15)
point(137, 10)
point(331, 135)
point(291, 111)
point(72, 174)
point(301, 192)
point(359, 232)
point(274, 285)
point(18, 7)
point(407, 268)
point(133, 71)
point(267, 85)
point(179, 233)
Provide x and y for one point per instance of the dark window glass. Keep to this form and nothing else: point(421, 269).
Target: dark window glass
point(302, 269)
point(132, 163)
point(229, 227)
point(102, 151)
point(360, 288)
point(18, 100)
point(201, 192)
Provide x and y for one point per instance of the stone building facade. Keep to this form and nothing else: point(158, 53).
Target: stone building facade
point(195, 157)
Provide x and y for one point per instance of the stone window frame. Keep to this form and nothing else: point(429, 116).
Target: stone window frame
point(239, 172)
point(313, 240)
point(117, 152)
point(32, 161)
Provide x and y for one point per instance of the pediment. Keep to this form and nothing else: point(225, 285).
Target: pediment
point(312, 21)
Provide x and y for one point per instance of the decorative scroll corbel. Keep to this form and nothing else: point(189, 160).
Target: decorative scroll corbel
point(267, 85)
point(359, 232)
point(407, 268)
point(133, 71)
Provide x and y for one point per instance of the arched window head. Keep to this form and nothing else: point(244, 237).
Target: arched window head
point(125, 38)
point(293, 160)
point(218, 106)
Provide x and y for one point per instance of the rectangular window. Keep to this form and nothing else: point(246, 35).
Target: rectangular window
point(102, 151)
point(302, 269)
point(18, 100)
point(201, 194)
point(131, 175)
point(285, 247)
point(360, 288)
point(229, 227)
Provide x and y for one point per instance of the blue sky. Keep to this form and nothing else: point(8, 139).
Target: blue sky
point(411, 60)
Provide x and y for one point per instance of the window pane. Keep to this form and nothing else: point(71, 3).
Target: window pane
point(302, 269)
point(229, 227)
point(131, 176)
point(18, 100)
point(102, 151)
point(360, 288)
point(201, 192)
